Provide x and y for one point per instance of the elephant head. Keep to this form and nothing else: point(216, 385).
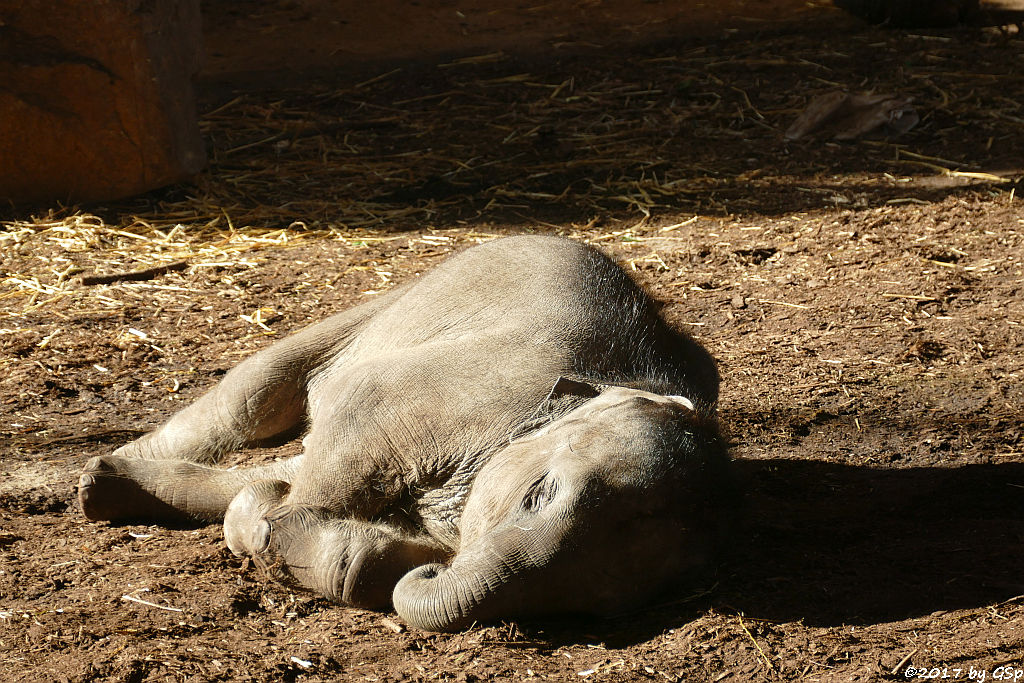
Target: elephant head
point(598, 511)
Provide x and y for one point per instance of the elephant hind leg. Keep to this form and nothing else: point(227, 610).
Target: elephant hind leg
point(351, 562)
point(261, 400)
point(119, 488)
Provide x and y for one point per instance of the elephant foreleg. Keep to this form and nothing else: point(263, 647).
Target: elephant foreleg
point(348, 561)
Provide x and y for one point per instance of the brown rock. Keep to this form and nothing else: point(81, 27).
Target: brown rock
point(96, 97)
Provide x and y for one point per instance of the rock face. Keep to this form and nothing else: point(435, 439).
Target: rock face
point(96, 98)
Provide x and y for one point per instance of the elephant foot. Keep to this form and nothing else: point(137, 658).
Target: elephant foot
point(246, 530)
point(114, 488)
point(286, 541)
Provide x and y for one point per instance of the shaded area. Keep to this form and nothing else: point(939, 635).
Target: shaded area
point(835, 544)
point(636, 134)
point(276, 37)
point(832, 545)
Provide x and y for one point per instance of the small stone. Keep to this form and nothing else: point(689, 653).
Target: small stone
point(738, 301)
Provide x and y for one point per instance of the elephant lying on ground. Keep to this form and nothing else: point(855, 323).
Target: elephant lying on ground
point(516, 432)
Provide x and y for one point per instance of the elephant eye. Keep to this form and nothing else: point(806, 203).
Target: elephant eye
point(540, 493)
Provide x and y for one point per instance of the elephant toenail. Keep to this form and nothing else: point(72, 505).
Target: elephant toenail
point(261, 537)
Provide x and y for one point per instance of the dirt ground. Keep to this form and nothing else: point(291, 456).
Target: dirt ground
point(865, 301)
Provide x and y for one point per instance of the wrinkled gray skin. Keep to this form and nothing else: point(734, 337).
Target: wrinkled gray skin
point(516, 432)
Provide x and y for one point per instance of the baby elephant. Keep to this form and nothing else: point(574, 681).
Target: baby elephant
point(517, 432)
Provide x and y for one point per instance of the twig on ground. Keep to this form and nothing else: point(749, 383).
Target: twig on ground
point(132, 598)
point(896, 669)
point(134, 275)
point(760, 650)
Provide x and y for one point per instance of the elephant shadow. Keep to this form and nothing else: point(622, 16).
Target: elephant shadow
point(831, 544)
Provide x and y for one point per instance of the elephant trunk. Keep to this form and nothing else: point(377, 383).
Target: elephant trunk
point(432, 598)
point(480, 585)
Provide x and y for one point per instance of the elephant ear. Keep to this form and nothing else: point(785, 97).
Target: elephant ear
point(565, 395)
point(565, 386)
point(683, 401)
point(569, 393)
